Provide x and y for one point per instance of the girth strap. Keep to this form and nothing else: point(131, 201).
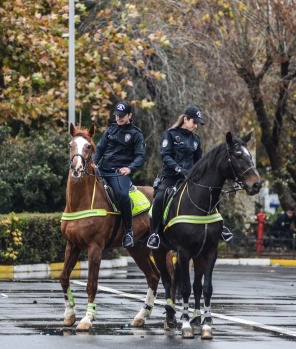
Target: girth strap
point(114, 232)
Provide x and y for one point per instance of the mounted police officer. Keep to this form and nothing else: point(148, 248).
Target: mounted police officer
point(180, 150)
point(121, 151)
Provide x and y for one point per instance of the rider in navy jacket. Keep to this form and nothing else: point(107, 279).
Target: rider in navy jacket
point(121, 146)
point(121, 151)
point(180, 150)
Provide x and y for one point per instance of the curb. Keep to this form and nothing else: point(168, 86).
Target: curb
point(53, 270)
point(264, 262)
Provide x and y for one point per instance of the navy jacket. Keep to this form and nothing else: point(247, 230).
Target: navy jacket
point(180, 148)
point(283, 222)
point(121, 146)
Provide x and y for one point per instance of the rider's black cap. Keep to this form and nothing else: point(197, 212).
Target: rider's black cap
point(195, 114)
point(122, 108)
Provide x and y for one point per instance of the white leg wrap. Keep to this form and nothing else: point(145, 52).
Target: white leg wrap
point(150, 298)
point(69, 311)
point(185, 308)
point(89, 317)
point(207, 312)
point(145, 312)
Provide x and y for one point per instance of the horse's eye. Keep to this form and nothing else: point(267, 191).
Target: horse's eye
point(89, 146)
point(238, 153)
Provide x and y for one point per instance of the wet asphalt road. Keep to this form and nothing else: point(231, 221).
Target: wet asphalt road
point(254, 307)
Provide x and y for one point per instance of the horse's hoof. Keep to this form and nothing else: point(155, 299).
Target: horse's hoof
point(169, 324)
point(195, 324)
point(187, 330)
point(206, 332)
point(84, 326)
point(138, 323)
point(69, 321)
point(196, 329)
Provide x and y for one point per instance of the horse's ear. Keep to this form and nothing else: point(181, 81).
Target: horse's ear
point(229, 138)
point(91, 131)
point(247, 137)
point(72, 129)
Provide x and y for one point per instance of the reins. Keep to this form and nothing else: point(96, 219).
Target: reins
point(224, 192)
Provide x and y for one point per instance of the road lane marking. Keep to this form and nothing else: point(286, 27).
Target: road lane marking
point(224, 317)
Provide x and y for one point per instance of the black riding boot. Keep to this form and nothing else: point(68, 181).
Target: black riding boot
point(128, 238)
point(154, 240)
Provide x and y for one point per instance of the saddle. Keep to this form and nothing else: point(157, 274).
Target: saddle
point(169, 194)
point(139, 201)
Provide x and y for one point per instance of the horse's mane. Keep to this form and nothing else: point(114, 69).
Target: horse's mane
point(83, 132)
point(202, 165)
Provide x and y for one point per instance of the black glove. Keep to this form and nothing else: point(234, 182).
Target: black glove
point(184, 172)
point(181, 171)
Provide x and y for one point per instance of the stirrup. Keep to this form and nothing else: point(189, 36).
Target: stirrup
point(153, 241)
point(226, 235)
point(128, 240)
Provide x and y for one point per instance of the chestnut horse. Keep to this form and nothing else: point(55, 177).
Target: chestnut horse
point(85, 195)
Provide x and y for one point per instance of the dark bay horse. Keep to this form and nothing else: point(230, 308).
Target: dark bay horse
point(193, 227)
point(84, 194)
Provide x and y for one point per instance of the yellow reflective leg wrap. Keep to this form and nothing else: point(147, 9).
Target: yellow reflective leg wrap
point(70, 298)
point(91, 308)
point(170, 302)
point(196, 313)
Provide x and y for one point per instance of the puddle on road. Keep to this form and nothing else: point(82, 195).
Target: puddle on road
point(107, 329)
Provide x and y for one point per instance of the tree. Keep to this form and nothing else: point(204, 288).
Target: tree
point(255, 41)
point(34, 60)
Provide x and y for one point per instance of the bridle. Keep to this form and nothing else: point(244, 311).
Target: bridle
point(235, 169)
point(233, 189)
point(85, 163)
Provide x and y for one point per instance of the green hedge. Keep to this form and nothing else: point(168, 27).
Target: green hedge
point(42, 240)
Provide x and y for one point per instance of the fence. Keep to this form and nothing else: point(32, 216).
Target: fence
point(269, 246)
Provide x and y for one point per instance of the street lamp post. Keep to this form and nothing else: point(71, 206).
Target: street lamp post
point(71, 97)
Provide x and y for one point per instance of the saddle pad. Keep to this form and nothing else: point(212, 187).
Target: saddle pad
point(165, 213)
point(140, 202)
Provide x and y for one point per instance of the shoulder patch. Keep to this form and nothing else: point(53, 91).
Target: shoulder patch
point(165, 143)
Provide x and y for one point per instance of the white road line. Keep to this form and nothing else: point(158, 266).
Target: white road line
point(224, 317)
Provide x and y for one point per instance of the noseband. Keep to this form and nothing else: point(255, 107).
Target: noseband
point(84, 163)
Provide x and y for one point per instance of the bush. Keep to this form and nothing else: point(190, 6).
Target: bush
point(10, 239)
point(33, 172)
point(42, 240)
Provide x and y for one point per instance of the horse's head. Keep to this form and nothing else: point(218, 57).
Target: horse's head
point(241, 164)
point(81, 149)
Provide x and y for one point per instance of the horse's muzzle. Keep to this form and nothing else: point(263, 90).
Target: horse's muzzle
point(252, 189)
point(76, 174)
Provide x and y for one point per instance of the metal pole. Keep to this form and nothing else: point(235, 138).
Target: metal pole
point(71, 97)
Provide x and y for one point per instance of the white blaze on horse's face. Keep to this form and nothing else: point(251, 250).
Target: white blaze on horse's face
point(79, 155)
point(246, 171)
point(245, 150)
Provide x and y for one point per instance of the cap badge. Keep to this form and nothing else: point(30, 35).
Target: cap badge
point(120, 107)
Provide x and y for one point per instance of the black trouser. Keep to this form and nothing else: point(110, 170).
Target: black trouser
point(120, 185)
point(157, 210)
